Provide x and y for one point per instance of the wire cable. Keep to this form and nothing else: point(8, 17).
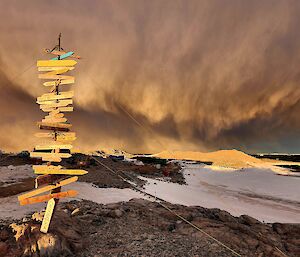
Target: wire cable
point(167, 208)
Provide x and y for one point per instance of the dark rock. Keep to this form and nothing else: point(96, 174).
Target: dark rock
point(3, 248)
point(172, 227)
point(116, 213)
point(4, 234)
point(247, 220)
point(190, 217)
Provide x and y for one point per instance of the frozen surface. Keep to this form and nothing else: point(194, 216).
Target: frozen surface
point(102, 195)
point(259, 193)
point(10, 208)
point(12, 174)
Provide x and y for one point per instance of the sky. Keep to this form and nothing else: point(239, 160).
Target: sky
point(160, 75)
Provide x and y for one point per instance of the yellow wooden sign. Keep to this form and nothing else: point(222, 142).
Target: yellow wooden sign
point(51, 159)
point(55, 68)
point(59, 103)
point(54, 146)
point(53, 124)
point(48, 216)
point(54, 112)
point(65, 140)
point(61, 109)
point(46, 102)
point(62, 82)
point(61, 172)
point(55, 71)
point(44, 189)
point(52, 120)
point(55, 115)
point(65, 77)
point(48, 156)
point(57, 63)
point(46, 135)
point(53, 96)
point(44, 198)
point(45, 167)
point(68, 136)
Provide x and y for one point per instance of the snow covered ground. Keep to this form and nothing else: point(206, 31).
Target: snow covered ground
point(102, 195)
point(10, 208)
point(12, 174)
point(259, 193)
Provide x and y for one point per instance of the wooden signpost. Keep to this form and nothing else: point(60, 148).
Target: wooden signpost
point(52, 175)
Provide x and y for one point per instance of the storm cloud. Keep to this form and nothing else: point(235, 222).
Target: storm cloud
point(156, 75)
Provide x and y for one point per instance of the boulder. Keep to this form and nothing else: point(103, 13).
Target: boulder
point(63, 237)
point(3, 248)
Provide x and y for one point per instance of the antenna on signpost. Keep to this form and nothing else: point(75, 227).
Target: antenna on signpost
point(59, 48)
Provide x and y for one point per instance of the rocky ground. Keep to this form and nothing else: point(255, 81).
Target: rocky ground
point(144, 228)
point(138, 227)
point(98, 174)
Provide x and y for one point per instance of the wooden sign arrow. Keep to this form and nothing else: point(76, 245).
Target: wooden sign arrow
point(55, 157)
point(54, 146)
point(55, 68)
point(61, 109)
point(58, 63)
point(44, 189)
point(48, 216)
point(62, 82)
point(44, 198)
point(59, 103)
point(53, 96)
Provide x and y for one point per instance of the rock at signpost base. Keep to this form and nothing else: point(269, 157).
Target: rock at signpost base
point(63, 238)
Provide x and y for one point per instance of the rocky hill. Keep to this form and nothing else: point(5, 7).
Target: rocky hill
point(143, 228)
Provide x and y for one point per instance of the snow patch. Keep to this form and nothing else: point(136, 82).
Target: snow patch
point(255, 192)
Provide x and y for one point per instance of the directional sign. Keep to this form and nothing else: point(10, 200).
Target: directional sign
point(57, 63)
point(62, 172)
point(55, 114)
point(53, 146)
point(53, 96)
point(44, 198)
point(61, 109)
point(45, 167)
point(48, 216)
point(54, 68)
point(56, 71)
point(54, 124)
point(58, 141)
point(60, 103)
point(53, 120)
point(44, 189)
point(62, 82)
point(65, 77)
point(49, 156)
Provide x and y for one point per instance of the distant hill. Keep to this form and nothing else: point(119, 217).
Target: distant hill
point(224, 158)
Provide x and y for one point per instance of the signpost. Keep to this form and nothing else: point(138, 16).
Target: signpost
point(56, 102)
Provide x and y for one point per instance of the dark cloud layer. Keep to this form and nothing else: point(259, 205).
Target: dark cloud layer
point(198, 75)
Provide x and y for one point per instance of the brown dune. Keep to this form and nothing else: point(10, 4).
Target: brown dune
point(224, 158)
